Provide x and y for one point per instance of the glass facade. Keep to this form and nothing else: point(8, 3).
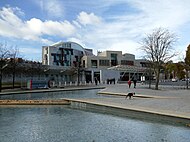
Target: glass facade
point(127, 62)
point(104, 63)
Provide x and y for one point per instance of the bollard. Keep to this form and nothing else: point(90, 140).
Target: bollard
point(59, 83)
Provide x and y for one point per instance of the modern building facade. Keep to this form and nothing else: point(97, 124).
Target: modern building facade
point(64, 54)
point(76, 63)
point(63, 60)
point(113, 64)
point(107, 59)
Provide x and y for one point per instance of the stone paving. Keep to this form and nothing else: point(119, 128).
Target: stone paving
point(167, 100)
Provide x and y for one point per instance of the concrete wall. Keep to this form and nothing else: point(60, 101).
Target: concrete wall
point(106, 55)
point(128, 56)
point(109, 74)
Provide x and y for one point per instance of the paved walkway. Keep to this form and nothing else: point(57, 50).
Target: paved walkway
point(69, 88)
point(167, 100)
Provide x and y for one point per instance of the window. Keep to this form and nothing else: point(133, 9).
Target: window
point(83, 63)
point(113, 56)
point(46, 50)
point(145, 64)
point(94, 63)
point(126, 62)
point(104, 63)
point(113, 59)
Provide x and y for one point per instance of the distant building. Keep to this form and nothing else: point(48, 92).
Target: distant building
point(113, 64)
point(75, 62)
point(63, 60)
point(64, 54)
point(108, 59)
point(68, 63)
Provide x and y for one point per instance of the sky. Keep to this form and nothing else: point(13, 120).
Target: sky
point(118, 25)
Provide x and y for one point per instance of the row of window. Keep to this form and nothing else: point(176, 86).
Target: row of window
point(126, 62)
point(107, 63)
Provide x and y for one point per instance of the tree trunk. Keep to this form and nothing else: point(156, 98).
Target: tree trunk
point(149, 83)
point(13, 80)
point(14, 73)
point(157, 78)
point(0, 81)
point(187, 84)
point(150, 76)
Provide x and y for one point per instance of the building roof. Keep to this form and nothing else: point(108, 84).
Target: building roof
point(127, 68)
point(74, 46)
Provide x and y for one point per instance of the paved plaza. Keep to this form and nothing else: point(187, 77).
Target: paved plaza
point(167, 100)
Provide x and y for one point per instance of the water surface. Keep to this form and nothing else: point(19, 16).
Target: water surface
point(55, 95)
point(62, 124)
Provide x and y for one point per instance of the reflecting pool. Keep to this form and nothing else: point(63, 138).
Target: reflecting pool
point(55, 95)
point(63, 124)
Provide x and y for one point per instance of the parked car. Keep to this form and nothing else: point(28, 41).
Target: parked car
point(174, 80)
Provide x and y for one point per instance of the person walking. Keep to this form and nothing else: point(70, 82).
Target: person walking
point(129, 83)
point(96, 81)
point(135, 81)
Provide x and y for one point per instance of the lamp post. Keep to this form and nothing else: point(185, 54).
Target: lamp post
point(78, 73)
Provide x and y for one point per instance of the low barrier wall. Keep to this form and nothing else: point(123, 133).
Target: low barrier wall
point(34, 102)
point(131, 113)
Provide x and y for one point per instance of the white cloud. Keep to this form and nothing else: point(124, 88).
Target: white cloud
point(76, 24)
point(33, 29)
point(170, 14)
point(88, 19)
point(62, 29)
point(35, 25)
point(53, 8)
point(124, 32)
point(114, 31)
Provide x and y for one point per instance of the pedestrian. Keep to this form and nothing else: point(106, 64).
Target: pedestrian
point(96, 80)
point(135, 82)
point(129, 83)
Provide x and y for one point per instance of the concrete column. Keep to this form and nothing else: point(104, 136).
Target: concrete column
point(101, 79)
point(137, 76)
point(92, 76)
point(53, 83)
point(129, 76)
point(83, 77)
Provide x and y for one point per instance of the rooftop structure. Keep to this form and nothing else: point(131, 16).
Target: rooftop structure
point(63, 54)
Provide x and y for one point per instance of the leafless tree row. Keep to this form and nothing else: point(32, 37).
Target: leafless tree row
point(158, 50)
point(12, 64)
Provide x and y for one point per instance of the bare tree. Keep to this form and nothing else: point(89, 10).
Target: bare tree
point(14, 62)
point(4, 55)
point(157, 47)
point(187, 65)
